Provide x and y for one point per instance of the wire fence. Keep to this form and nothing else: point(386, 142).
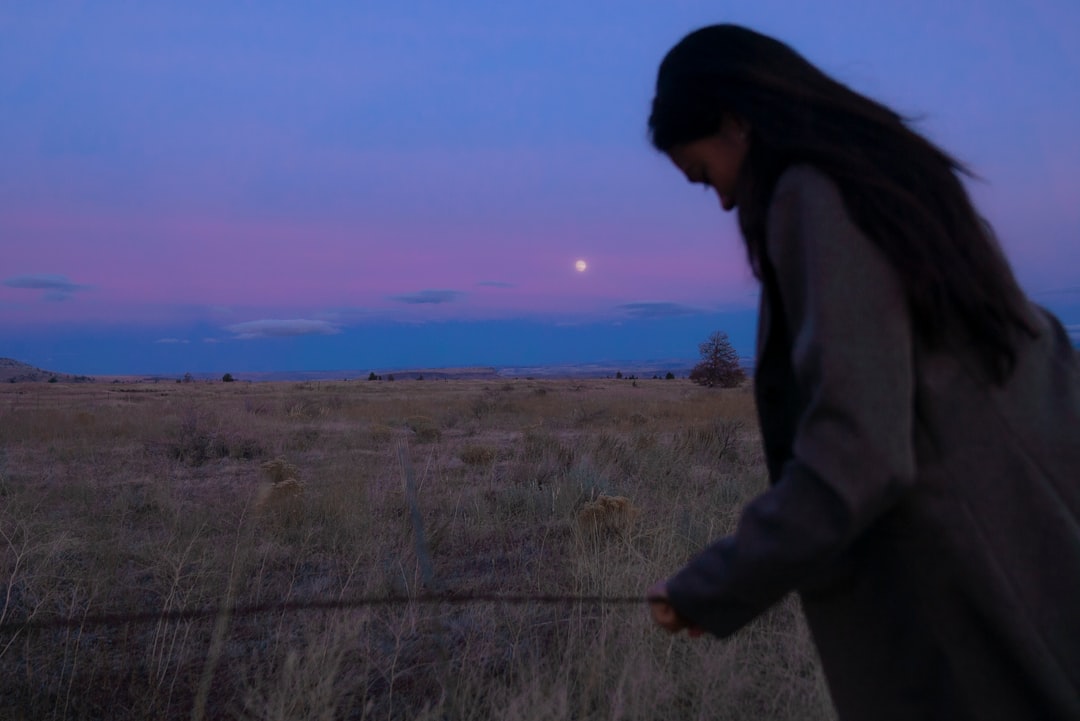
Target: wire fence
point(115, 620)
point(224, 613)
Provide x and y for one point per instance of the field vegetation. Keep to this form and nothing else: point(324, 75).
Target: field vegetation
point(120, 498)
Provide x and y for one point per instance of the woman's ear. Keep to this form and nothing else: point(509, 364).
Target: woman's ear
point(736, 126)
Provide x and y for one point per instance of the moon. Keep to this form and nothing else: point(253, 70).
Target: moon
point(580, 266)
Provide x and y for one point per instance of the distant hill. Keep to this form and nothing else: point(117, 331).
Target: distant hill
point(605, 369)
point(13, 371)
point(470, 373)
point(608, 369)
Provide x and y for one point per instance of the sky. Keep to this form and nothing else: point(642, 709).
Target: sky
point(254, 186)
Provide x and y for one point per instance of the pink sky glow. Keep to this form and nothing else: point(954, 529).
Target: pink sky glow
point(185, 168)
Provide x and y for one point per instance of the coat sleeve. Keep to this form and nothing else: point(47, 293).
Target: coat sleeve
point(853, 455)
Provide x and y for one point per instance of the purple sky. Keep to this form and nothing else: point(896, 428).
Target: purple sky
point(214, 186)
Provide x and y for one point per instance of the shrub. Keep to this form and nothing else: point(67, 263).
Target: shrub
point(425, 429)
point(279, 470)
point(492, 401)
point(380, 433)
point(477, 455)
point(608, 515)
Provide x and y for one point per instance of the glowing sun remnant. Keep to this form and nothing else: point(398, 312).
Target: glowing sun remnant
point(580, 266)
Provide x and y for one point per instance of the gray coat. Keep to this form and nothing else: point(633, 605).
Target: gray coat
point(929, 520)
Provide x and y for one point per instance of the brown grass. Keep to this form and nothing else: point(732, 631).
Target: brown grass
point(183, 496)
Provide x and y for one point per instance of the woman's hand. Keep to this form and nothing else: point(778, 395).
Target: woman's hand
point(664, 615)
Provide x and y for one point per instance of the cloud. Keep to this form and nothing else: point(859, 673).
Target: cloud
point(657, 309)
point(170, 340)
point(428, 296)
point(56, 296)
point(495, 284)
point(42, 281)
point(282, 328)
point(58, 287)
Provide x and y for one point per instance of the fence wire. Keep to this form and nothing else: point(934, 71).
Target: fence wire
point(227, 612)
point(115, 620)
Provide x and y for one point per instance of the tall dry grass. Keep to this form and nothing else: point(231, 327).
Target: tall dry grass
point(161, 497)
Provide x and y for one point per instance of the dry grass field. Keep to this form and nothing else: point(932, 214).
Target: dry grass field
point(165, 497)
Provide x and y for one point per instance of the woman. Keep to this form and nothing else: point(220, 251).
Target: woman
point(920, 417)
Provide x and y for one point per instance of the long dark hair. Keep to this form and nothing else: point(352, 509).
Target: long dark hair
point(901, 190)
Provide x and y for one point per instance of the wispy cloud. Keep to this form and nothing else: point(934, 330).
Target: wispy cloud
point(282, 328)
point(58, 288)
point(42, 281)
point(429, 297)
point(56, 296)
point(168, 341)
point(656, 309)
point(495, 284)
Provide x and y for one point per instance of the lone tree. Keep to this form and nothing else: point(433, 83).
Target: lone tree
point(719, 364)
point(227, 378)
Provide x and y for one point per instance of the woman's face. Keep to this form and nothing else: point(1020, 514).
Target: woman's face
point(715, 161)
